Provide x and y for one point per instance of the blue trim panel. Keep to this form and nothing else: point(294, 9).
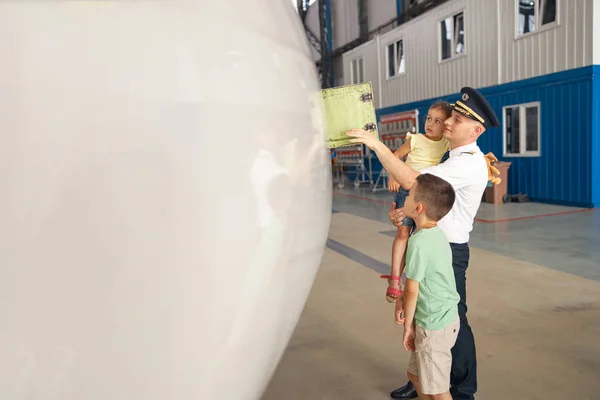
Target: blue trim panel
point(579, 73)
point(595, 136)
point(398, 8)
point(567, 171)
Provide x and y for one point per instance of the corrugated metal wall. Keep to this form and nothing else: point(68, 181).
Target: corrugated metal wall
point(494, 54)
point(344, 21)
point(567, 46)
point(380, 12)
point(368, 52)
point(570, 137)
point(595, 142)
point(552, 66)
point(345, 18)
point(425, 75)
point(563, 172)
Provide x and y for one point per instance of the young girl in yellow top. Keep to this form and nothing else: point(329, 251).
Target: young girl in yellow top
point(421, 151)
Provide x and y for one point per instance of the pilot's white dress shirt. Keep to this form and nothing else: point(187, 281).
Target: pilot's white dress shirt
point(466, 170)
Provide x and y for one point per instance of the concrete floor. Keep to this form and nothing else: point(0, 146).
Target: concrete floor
point(533, 296)
point(558, 237)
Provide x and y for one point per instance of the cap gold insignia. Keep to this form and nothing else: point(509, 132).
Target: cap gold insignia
point(462, 108)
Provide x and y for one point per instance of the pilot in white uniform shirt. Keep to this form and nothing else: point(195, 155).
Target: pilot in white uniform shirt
point(466, 170)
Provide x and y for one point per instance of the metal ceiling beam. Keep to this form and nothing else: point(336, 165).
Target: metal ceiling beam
point(302, 7)
point(313, 39)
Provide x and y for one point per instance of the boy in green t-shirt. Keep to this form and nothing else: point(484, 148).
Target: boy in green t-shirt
point(431, 321)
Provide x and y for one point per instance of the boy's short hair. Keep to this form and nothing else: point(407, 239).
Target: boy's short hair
point(442, 105)
point(436, 194)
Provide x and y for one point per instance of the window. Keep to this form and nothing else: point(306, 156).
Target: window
point(522, 130)
point(395, 59)
point(535, 14)
point(452, 31)
point(357, 72)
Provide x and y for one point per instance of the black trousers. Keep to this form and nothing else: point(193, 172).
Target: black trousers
point(463, 377)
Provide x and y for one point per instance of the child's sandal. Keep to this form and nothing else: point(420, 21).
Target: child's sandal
point(391, 294)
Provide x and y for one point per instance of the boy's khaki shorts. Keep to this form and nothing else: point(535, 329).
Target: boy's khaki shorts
point(432, 359)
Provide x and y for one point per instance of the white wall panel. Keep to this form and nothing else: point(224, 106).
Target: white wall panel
point(344, 21)
point(589, 30)
point(427, 77)
point(594, 30)
point(344, 14)
point(379, 12)
point(547, 50)
point(368, 52)
point(494, 52)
